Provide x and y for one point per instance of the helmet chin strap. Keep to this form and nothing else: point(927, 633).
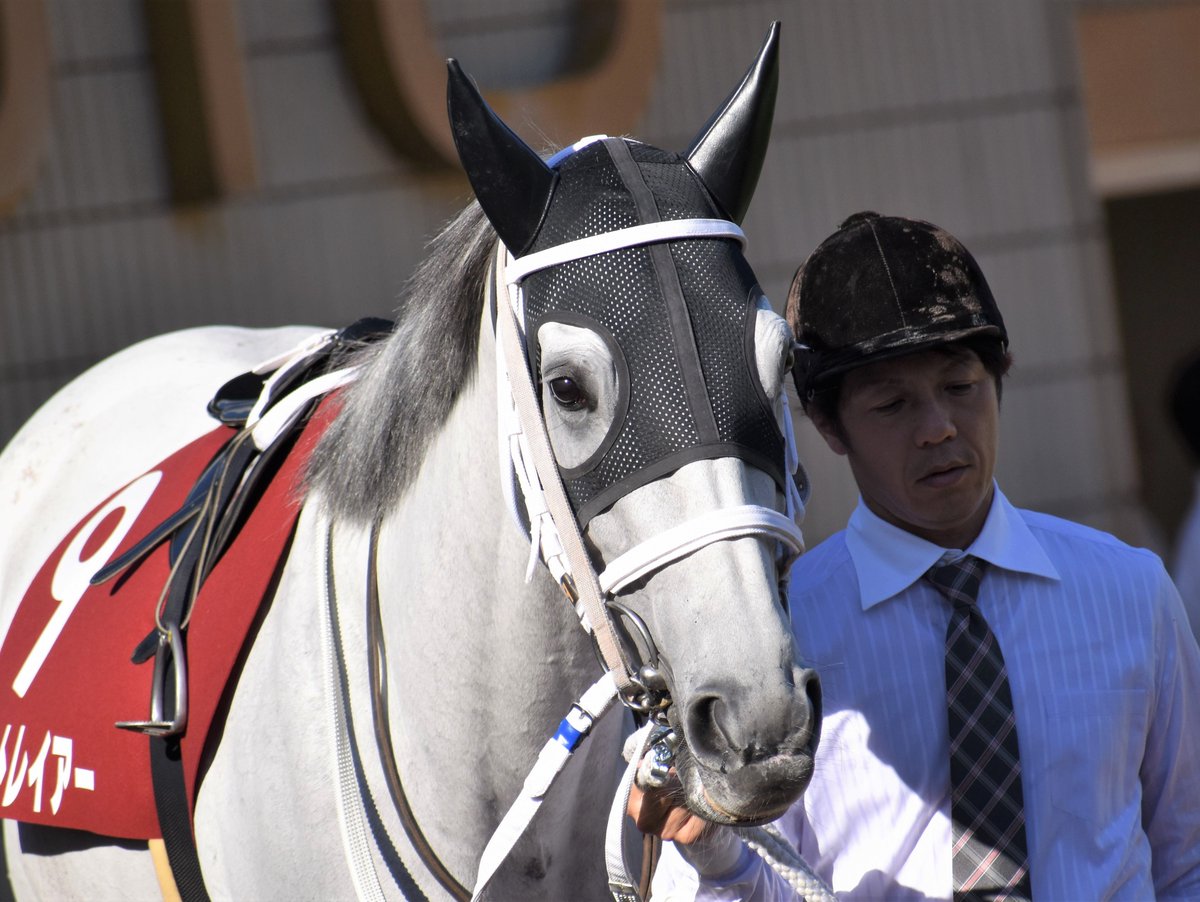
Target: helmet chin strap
point(527, 463)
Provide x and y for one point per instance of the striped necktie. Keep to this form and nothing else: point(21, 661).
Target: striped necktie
point(986, 804)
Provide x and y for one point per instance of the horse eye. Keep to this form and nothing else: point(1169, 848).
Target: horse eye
point(567, 393)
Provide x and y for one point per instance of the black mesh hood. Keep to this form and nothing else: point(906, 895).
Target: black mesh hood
point(682, 312)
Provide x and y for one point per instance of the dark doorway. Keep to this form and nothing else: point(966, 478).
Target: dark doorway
point(1155, 246)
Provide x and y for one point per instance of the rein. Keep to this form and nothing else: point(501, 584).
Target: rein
point(377, 660)
point(358, 818)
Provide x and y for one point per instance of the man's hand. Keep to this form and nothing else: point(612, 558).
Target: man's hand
point(659, 811)
point(712, 850)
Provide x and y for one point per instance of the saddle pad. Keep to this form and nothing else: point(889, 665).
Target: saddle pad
point(65, 672)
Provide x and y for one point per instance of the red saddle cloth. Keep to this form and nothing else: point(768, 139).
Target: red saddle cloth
point(65, 671)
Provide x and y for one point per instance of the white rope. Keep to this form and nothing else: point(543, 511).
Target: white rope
point(773, 847)
point(766, 841)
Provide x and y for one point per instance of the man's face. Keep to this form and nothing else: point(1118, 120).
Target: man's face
point(920, 433)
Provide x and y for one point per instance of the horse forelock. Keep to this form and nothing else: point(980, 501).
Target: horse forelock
point(373, 450)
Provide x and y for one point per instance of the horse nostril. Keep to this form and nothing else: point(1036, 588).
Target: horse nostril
point(730, 728)
point(811, 683)
point(706, 737)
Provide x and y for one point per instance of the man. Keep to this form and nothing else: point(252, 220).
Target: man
point(1012, 701)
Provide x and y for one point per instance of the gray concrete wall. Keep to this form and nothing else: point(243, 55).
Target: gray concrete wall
point(965, 112)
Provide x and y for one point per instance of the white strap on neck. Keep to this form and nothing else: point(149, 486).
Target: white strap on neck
point(270, 425)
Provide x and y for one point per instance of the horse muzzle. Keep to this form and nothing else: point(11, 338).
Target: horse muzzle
point(745, 764)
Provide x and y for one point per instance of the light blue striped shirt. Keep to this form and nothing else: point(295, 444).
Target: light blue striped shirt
point(1105, 676)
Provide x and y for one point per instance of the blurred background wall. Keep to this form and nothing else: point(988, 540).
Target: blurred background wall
point(168, 163)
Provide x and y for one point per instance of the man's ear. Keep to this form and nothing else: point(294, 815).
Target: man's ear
point(830, 432)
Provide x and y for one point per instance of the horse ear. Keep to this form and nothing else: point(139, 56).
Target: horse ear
point(728, 153)
point(512, 183)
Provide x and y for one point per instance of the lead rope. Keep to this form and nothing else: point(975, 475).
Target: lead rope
point(773, 847)
point(571, 732)
point(766, 841)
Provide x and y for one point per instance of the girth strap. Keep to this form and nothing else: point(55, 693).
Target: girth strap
point(174, 813)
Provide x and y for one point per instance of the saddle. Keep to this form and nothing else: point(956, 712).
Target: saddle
point(178, 566)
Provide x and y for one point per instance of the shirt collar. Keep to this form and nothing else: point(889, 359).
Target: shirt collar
point(888, 559)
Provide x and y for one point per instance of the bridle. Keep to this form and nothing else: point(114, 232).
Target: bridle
point(528, 467)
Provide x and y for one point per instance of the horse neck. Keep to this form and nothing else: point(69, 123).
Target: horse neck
point(485, 663)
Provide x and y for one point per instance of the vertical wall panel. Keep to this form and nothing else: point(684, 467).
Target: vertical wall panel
point(95, 33)
point(276, 23)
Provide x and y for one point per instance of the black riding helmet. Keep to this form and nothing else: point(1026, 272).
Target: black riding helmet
point(882, 286)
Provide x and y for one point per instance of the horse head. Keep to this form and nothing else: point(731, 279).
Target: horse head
point(660, 368)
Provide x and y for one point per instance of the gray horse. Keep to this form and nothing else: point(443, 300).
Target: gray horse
point(660, 371)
